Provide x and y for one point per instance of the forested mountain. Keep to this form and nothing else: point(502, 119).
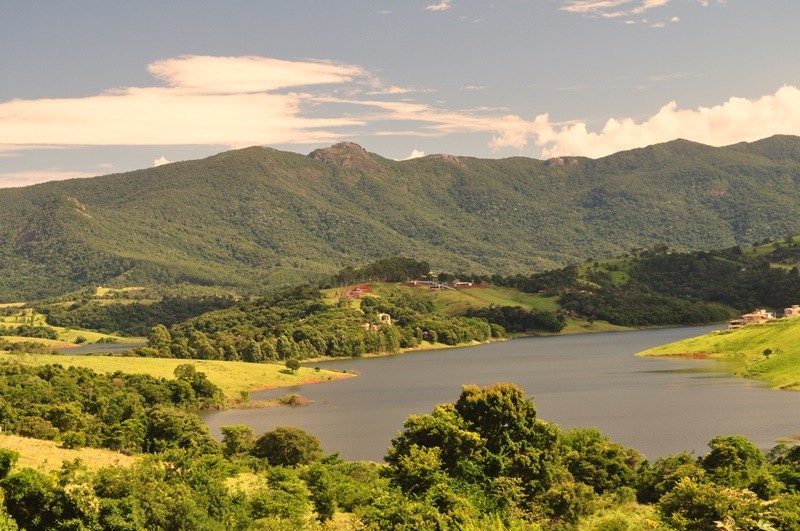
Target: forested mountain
point(257, 218)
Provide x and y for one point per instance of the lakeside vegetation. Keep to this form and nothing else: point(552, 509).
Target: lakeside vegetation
point(485, 462)
point(235, 379)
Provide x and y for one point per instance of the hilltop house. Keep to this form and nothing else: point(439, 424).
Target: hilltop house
point(756, 317)
point(794, 311)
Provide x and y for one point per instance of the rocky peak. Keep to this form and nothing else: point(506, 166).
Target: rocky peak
point(345, 155)
point(450, 159)
point(562, 161)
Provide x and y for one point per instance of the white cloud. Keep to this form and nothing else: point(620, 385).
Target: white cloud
point(415, 154)
point(736, 120)
point(444, 5)
point(622, 8)
point(201, 74)
point(231, 101)
point(264, 101)
point(160, 161)
point(668, 77)
point(27, 178)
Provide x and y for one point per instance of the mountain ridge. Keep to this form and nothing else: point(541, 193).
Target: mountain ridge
point(257, 217)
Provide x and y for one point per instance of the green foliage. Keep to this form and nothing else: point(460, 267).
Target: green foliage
point(518, 319)
point(237, 440)
point(8, 458)
point(259, 217)
point(485, 462)
point(129, 317)
point(488, 434)
point(287, 446)
point(395, 269)
point(125, 412)
point(733, 461)
point(292, 364)
point(692, 506)
point(296, 323)
point(596, 461)
point(44, 332)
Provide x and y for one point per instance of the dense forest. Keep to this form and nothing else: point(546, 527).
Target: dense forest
point(255, 219)
point(484, 462)
point(296, 323)
point(663, 287)
point(129, 317)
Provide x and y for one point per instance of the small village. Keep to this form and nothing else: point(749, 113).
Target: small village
point(762, 316)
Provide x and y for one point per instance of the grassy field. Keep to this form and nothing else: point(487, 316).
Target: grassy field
point(48, 455)
point(768, 352)
point(456, 301)
point(66, 337)
point(573, 326)
point(233, 377)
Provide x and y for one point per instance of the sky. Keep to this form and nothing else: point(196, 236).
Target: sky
point(94, 87)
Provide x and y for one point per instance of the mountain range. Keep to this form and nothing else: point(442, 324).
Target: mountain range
point(256, 218)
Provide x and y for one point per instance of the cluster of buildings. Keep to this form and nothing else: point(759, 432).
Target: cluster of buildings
point(762, 316)
point(432, 284)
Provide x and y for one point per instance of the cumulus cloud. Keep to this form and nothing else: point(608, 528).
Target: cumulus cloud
point(444, 5)
point(160, 161)
point(415, 154)
point(265, 101)
point(736, 120)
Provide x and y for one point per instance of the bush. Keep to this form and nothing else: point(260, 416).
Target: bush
point(287, 446)
point(8, 458)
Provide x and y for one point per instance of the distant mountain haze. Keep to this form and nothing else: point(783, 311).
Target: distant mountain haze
point(257, 218)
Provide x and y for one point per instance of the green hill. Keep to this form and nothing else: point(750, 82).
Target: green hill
point(257, 218)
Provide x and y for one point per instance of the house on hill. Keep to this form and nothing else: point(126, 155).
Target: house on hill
point(794, 311)
point(756, 317)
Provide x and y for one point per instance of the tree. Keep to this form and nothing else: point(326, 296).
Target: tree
point(693, 506)
point(32, 499)
point(733, 461)
point(292, 364)
point(172, 428)
point(237, 440)
point(159, 338)
point(593, 459)
point(287, 446)
point(8, 458)
point(488, 433)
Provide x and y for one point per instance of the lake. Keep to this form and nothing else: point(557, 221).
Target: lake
point(660, 406)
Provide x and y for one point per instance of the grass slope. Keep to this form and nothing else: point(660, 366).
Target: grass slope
point(48, 455)
point(747, 345)
point(67, 337)
point(232, 377)
point(456, 301)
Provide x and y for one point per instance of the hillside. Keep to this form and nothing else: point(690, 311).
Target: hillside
point(256, 218)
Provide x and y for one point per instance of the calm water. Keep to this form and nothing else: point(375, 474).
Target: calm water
point(659, 406)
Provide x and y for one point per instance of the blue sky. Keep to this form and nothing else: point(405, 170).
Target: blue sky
point(98, 87)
